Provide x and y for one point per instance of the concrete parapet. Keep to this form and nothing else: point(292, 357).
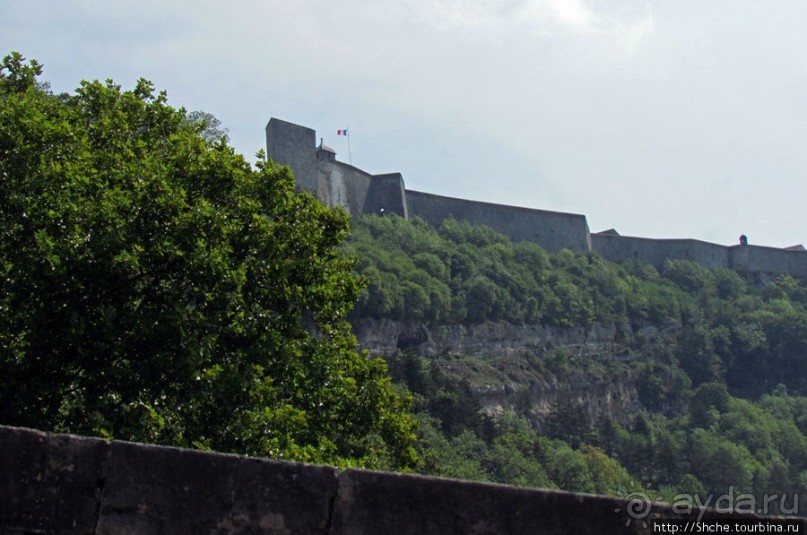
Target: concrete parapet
point(373, 502)
point(53, 483)
point(50, 483)
point(167, 490)
point(66, 484)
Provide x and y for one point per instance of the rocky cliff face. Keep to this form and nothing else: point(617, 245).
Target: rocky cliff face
point(529, 369)
point(387, 338)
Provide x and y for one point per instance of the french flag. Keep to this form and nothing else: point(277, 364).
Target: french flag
point(341, 132)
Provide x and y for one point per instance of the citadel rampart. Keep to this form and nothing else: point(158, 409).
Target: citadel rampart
point(337, 184)
point(755, 258)
point(554, 231)
point(621, 248)
point(53, 483)
point(334, 183)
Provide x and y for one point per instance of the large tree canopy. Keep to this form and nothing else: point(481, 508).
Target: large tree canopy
point(155, 287)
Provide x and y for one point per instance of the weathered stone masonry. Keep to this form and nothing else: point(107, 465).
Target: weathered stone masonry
point(335, 183)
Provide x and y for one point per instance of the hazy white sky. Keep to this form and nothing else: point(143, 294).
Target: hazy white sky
point(680, 118)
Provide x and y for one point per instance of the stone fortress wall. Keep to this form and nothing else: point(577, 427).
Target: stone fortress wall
point(335, 183)
point(554, 231)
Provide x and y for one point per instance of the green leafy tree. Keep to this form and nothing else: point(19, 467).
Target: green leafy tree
point(721, 464)
point(155, 287)
point(708, 402)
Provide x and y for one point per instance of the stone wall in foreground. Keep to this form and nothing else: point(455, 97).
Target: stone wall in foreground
point(52, 483)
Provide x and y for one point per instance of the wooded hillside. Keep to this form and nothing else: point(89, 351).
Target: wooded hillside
point(721, 390)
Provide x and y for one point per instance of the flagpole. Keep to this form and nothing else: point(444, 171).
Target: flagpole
point(349, 152)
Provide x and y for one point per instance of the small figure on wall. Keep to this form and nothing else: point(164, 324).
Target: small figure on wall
point(743, 239)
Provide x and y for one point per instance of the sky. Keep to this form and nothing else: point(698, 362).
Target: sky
point(662, 119)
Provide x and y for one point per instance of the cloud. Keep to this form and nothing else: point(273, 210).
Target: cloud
point(635, 33)
point(570, 13)
point(626, 27)
point(497, 20)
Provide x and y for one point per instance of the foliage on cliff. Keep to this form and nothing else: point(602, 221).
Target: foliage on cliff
point(155, 287)
point(752, 337)
point(721, 383)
